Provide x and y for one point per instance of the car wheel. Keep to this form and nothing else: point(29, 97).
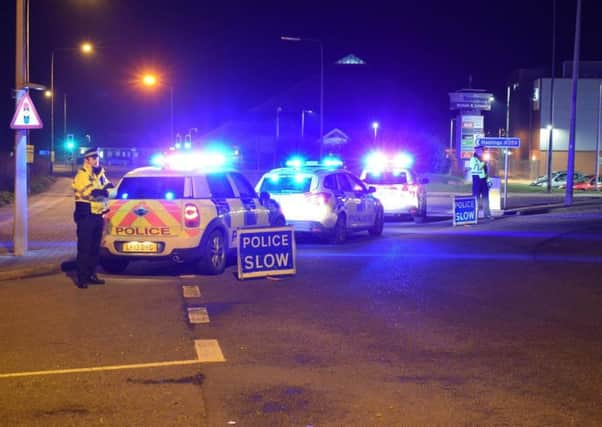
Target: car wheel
point(339, 233)
point(113, 265)
point(420, 217)
point(214, 258)
point(379, 224)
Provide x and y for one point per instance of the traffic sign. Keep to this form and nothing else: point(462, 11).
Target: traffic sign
point(26, 115)
point(490, 142)
point(466, 210)
point(266, 252)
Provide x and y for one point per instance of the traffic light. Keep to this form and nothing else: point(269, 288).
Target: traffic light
point(70, 142)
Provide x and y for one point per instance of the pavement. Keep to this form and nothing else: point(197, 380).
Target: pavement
point(52, 238)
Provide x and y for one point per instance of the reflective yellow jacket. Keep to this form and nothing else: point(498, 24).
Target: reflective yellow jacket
point(84, 183)
point(477, 167)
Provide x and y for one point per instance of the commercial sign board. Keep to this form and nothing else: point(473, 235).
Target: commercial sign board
point(470, 101)
point(465, 210)
point(490, 142)
point(472, 129)
point(269, 251)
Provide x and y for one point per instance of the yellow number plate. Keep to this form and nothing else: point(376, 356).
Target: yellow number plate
point(144, 247)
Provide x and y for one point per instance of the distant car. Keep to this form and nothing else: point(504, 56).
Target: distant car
point(324, 200)
point(589, 184)
point(398, 188)
point(166, 213)
point(558, 179)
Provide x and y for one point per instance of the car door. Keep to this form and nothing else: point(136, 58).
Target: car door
point(227, 205)
point(254, 213)
point(366, 208)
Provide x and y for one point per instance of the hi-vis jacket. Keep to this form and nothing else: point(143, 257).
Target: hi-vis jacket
point(477, 167)
point(90, 189)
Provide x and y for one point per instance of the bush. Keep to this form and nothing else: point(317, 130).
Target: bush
point(37, 184)
point(6, 198)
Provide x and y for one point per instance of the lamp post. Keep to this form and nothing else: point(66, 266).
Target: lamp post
point(303, 113)
point(86, 48)
point(375, 126)
point(597, 162)
point(300, 39)
point(152, 80)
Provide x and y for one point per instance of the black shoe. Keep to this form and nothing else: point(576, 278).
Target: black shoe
point(81, 283)
point(95, 280)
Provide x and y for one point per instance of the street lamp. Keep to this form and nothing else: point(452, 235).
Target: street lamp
point(303, 113)
point(152, 80)
point(300, 39)
point(375, 126)
point(86, 48)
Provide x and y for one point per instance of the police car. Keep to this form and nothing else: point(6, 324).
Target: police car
point(181, 214)
point(397, 187)
point(323, 199)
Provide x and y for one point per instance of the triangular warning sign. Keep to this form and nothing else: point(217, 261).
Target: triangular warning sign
point(26, 116)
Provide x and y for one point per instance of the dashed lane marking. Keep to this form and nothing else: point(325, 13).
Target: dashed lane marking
point(198, 315)
point(208, 351)
point(191, 291)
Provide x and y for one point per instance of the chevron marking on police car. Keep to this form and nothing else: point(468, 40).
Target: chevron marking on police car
point(223, 210)
point(250, 217)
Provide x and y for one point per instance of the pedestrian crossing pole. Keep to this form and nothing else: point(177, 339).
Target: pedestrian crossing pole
point(21, 136)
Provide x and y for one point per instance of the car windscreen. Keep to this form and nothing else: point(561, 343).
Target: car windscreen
point(151, 188)
point(286, 184)
point(386, 178)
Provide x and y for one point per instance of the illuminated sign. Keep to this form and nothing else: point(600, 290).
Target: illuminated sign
point(266, 252)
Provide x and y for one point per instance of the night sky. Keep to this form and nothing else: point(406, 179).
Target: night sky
point(225, 58)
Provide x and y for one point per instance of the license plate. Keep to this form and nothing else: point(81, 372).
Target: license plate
point(144, 247)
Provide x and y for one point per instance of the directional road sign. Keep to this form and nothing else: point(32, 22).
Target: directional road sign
point(490, 142)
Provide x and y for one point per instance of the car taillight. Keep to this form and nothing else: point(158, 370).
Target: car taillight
point(191, 216)
point(318, 199)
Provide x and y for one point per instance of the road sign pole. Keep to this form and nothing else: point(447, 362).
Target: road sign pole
point(20, 210)
point(505, 177)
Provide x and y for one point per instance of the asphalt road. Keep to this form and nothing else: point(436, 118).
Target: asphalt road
point(493, 324)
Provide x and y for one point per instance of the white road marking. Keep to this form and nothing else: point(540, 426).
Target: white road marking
point(198, 315)
point(187, 276)
point(191, 291)
point(208, 351)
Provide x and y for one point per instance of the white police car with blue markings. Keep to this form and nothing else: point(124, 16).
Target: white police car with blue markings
point(323, 199)
point(182, 214)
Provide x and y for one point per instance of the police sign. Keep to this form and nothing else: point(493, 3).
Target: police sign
point(266, 252)
point(465, 210)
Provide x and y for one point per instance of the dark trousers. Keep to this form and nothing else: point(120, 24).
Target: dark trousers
point(481, 189)
point(89, 233)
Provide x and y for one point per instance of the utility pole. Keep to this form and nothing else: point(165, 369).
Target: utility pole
point(551, 131)
point(568, 197)
point(21, 77)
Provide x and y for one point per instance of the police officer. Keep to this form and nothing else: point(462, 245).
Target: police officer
point(91, 200)
point(480, 185)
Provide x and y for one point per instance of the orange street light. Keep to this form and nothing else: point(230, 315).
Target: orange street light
point(87, 47)
point(149, 80)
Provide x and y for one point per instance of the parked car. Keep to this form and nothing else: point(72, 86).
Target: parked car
point(558, 179)
point(589, 184)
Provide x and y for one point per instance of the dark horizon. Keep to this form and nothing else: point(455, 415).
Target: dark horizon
point(224, 60)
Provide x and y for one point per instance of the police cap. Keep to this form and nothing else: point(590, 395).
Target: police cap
point(91, 152)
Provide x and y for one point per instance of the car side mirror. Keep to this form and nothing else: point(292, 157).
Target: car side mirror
point(371, 189)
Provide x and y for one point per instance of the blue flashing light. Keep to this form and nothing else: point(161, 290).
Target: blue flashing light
point(403, 161)
point(187, 145)
point(196, 160)
point(124, 195)
point(274, 177)
point(169, 195)
point(299, 178)
point(375, 161)
point(158, 160)
point(178, 145)
point(332, 162)
point(295, 162)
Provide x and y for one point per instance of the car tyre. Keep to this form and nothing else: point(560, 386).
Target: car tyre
point(379, 224)
point(214, 254)
point(339, 233)
point(421, 216)
point(113, 265)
